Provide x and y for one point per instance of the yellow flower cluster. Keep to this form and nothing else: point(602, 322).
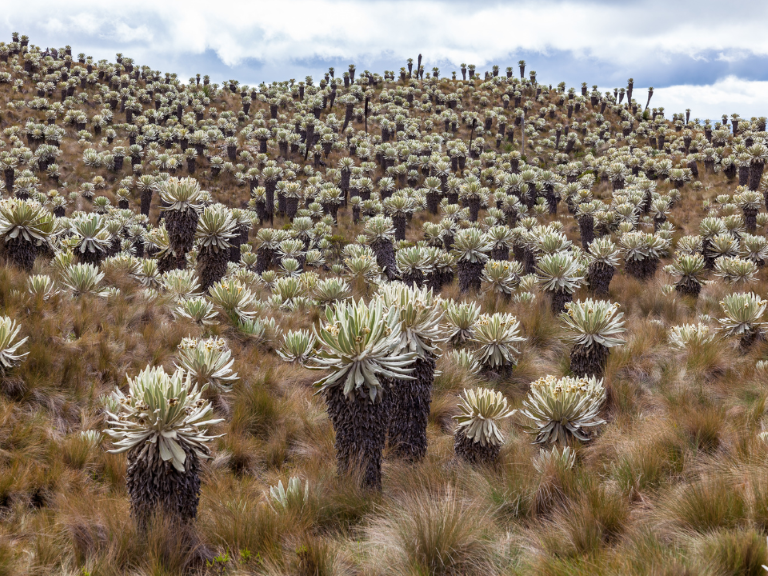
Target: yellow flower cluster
point(209, 344)
point(567, 384)
point(499, 265)
point(333, 329)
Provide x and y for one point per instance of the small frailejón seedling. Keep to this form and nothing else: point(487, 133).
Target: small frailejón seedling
point(41, 286)
point(742, 317)
point(330, 290)
point(502, 277)
point(9, 346)
point(465, 359)
point(689, 271)
point(560, 274)
point(734, 270)
point(291, 497)
point(687, 336)
point(83, 280)
point(162, 423)
point(412, 266)
point(197, 309)
point(208, 361)
point(554, 458)
point(495, 337)
point(562, 410)
point(298, 347)
point(462, 318)
point(180, 285)
point(357, 345)
point(235, 299)
point(592, 325)
point(477, 438)
point(92, 238)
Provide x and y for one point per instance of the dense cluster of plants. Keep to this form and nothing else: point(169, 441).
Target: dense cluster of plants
point(399, 323)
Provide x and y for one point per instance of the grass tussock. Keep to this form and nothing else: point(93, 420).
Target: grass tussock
point(426, 533)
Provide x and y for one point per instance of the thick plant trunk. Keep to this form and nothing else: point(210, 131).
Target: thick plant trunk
point(166, 262)
point(146, 201)
point(474, 452)
point(361, 427)
point(10, 176)
point(706, 251)
point(155, 485)
point(414, 278)
point(755, 174)
point(291, 207)
point(750, 219)
point(599, 276)
point(744, 171)
point(261, 211)
point(469, 276)
point(474, 209)
point(589, 360)
point(748, 339)
point(642, 269)
point(559, 299)
point(264, 257)
point(446, 277)
point(433, 281)
point(433, 202)
point(688, 287)
point(529, 261)
point(181, 228)
point(385, 257)
point(587, 230)
point(409, 402)
point(399, 221)
point(649, 267)
point(500, 253)
point(21, 253)
point(552, 202)
point(238, 240)
point(212, 267)
point(89, 257)
point(269, 187)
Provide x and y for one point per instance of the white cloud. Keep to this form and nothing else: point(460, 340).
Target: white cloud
point(125, 33)
point(726, 96)
point(618, 32)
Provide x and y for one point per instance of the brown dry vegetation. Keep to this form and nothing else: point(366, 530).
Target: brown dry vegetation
point(675, 483)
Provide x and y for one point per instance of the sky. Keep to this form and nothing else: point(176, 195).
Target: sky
point(705, 55)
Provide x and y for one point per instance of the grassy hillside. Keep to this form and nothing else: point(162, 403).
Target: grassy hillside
point(671, 479)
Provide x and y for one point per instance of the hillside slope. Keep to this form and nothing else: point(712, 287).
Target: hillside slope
point(427, 179)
